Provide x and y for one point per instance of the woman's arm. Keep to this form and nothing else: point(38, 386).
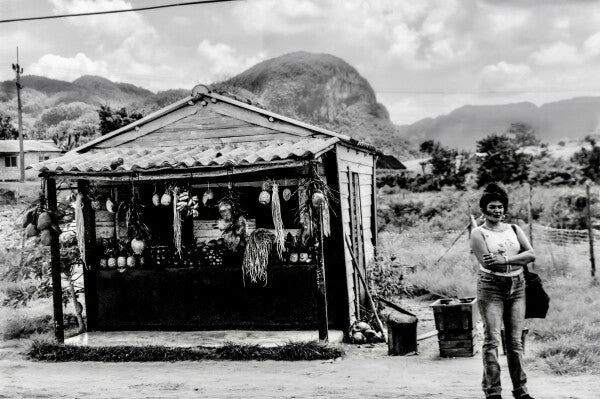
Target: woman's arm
point(493, 262)
point(527, 255)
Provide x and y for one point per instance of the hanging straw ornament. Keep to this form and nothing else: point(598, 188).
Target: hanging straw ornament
point(80, 228)
point(326, 225)
point(176, 222)
point(277, 221)
point(256, 255)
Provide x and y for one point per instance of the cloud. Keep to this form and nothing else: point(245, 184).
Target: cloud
point(117, 25)
point(591, 45)
point(506, 76)
point(183, 21)
point(57, 67)
point(223, 60)
point(508, 20)
point(557, 53)
point(281, 17)
point(405, 43)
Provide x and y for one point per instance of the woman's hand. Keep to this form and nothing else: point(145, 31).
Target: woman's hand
point(491, 259)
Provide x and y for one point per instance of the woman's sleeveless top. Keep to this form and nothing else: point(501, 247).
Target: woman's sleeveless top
point(503, 243)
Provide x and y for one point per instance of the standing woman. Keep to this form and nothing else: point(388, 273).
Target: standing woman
point(502, 251)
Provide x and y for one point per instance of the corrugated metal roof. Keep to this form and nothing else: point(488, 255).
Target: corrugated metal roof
point(142, 158)
point(12, 146)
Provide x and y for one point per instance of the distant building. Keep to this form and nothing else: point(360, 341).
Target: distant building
point(35, 151)
point(389, 162)
point(419, 166)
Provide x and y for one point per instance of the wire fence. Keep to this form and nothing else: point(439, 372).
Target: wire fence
point(558, 251)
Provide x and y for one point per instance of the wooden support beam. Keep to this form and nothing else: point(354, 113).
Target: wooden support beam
point(59, 330)
point(374, 206)
point(89, 258)
point(322, 318)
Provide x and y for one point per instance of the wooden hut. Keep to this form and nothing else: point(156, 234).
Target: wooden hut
point(209, 146)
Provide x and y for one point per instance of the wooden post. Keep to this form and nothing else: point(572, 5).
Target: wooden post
point(322, 319)
point(89, 258)
point(530, 220)
point(354, 234)
point(590, 229)
point(59, 331)
point(374, 207)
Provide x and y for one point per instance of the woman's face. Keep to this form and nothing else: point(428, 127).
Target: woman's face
point(494, 211)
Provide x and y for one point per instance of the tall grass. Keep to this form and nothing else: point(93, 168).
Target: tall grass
point(567, 341)
point(570, 335)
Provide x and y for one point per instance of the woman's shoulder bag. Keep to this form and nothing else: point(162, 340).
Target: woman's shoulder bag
point(537, 300)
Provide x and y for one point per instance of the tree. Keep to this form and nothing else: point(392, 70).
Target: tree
point(447, 168)
point(70, 134)
point(112, 120)
point(589, 160)
point(501, 161)
point(524, 135)
point(7, 130)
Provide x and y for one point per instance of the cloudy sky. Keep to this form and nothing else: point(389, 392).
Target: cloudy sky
point(423, 58)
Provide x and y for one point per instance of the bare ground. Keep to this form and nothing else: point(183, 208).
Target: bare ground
point(365, 372)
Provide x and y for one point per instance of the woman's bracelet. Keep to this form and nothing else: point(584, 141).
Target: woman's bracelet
point(508, 268)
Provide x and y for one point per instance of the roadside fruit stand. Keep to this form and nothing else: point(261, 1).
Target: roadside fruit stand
point(212, 213)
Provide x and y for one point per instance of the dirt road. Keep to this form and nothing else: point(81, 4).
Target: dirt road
point(363, 373)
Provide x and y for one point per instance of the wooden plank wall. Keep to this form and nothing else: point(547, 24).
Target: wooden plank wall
point(105, 221)
point(362, 163)
point(206, 125)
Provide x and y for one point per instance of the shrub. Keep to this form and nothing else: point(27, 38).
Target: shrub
point(50, 351)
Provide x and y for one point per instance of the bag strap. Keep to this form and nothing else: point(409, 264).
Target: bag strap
point(514, 227)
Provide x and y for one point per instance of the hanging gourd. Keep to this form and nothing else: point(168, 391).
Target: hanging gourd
point(264, 197)
point(207, 196)
point(138, 246)
point(318, 198)
point(28, 217)
point(110, 205)
point(31, 230)
point(286, 194)
point(44, 221)
point(46, 237)
point(166, 199)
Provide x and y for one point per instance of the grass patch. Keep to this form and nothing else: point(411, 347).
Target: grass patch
point(570, 336)
point(53, 352)
point(22, 326)
point(22, 322)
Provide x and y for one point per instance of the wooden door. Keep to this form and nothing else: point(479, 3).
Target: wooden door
point(357, 238)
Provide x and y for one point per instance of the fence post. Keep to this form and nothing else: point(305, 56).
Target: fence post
point(590, 229)
point(530, 219)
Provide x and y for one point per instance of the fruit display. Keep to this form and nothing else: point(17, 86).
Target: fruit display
point(214, 252)
point(159, 255)
point(361, 332)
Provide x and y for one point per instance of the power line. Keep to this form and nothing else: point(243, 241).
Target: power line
point(189, 3)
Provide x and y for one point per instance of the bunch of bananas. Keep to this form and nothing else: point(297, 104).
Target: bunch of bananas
point(188, 203)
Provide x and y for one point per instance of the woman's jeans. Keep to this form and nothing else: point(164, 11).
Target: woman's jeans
point(502, 299)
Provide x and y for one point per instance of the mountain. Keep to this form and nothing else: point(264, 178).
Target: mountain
point(316, 88)
point(92, 90)
point(574, 118)
point(322, 90)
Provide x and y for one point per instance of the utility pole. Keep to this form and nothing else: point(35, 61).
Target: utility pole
point(18, 70)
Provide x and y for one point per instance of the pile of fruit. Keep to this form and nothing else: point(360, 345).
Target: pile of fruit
point(213, 252)
point(361, 332)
